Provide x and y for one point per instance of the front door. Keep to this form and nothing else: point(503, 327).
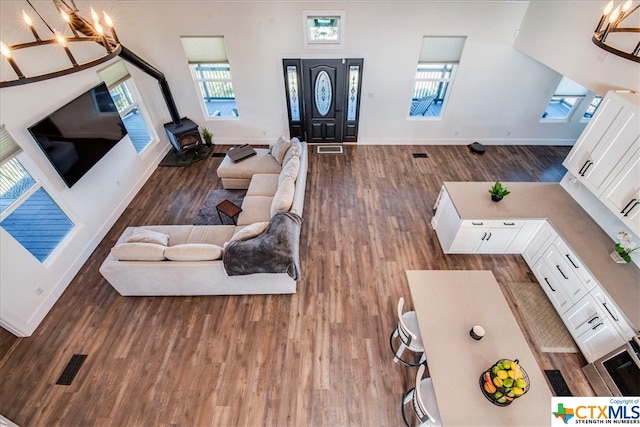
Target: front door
point(323, 98)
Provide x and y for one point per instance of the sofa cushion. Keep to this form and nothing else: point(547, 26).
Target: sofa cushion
point(211, 234)
point(144, 235)
point(250, 231)
point(279, 148)
point(193, 252)
point(290, 169)
point(262, 162)
point(263, 184)
point(138, 252)
point(295, 149)
point(255, 209)
point(283, 199)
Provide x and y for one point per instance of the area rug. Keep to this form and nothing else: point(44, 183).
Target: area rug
point(207, 213)
point(172, 159)
point(541, 319)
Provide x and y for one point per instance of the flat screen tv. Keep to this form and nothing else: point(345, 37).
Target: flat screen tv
point(77, 135)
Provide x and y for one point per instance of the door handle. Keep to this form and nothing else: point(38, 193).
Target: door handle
point(561, 272)
point(628, 204)
point(550, 287)
point(587, 168)
point(571, 261)
point(631, 208)
point(609, 311)
point(583, 166)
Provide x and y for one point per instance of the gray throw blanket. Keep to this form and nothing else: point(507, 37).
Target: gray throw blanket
point(274, 251)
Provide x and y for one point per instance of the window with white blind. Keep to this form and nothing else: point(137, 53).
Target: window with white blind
point(27, 212)
point(207, 58)
point(437, 64)
point(128, 102)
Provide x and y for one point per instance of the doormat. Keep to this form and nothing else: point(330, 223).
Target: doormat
point(71, 370)
point(208, 214)
point(172, 159)
point(541, 320)
point(559, 385)
point(329, 149)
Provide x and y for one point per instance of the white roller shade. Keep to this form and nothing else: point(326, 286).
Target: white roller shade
point(8, 146)
point(442, 48)
point(205, 50)
point(114, 74)
point(570, 88)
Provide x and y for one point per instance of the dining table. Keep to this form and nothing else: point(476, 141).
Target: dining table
point(448, 303)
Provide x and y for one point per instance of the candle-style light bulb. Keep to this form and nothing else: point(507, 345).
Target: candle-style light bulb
point(27, 20)
point(99, 29)
point(103, 38)
point(109, 22)
point(61, 39)
point(608, 8)
point(63, 42)
point(65, 16)
point(6, 52)
point(94, 16)
point(4, 49)
point(627, 6)
point(614, 15)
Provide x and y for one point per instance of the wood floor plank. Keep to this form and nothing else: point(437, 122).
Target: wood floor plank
point(319, 357)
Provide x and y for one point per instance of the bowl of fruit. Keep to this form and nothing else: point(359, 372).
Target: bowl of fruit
point(504, 382)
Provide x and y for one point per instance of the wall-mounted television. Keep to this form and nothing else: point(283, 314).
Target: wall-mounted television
point(77, 135)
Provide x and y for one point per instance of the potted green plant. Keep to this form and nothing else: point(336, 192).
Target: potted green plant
point(207, 136)
point(498, 191)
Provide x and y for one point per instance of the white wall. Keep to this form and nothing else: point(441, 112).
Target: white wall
point(558, 34)
point(498, 96)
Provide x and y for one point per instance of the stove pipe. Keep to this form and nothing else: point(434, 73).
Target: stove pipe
point(131, 57)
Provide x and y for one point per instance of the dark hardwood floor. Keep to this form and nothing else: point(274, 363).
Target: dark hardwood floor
point(319, 357)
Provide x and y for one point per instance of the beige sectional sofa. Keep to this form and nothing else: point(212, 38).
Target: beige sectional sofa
point(189, 262)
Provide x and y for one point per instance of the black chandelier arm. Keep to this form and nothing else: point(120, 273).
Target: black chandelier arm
point(611, 49)
point(61, 73)
point(54, 41)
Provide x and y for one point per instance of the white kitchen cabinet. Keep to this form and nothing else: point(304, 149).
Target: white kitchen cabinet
point(582, 316)
point(541, 238)
point(565, 277)
point(600, 339)
point(551, 286)
point(609, 310)
point(485, 237)
point(623, 195)
point(573, 263)
point(607, 142)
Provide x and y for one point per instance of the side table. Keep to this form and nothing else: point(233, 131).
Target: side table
point(228, 208)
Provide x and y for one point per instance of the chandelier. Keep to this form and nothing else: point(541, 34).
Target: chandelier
point(83, 31)
point(610, 27)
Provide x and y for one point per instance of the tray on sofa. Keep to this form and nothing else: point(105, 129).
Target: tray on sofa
point(241, 152)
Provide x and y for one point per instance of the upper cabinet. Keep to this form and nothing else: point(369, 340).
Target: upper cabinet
point(605, 157)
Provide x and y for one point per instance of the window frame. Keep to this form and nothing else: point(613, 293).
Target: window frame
point(199, 82)
point(448, 81)
point(309, 43)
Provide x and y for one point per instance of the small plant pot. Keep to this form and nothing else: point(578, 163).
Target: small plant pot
point(496, 198)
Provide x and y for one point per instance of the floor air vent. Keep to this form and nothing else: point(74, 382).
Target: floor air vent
point(420, 155)
point(71, 370)
point(329, 149)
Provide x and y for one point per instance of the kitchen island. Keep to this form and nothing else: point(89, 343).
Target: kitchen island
point(447, 305)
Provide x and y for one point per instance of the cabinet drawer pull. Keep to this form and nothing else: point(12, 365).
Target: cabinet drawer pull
point(610, 313)
point(550, 287)
point(509, 223)
point(580, 171)
point(489, 236)
point(477, 223)
point(587, 168)
point(571, 261)
point(597, 326)
point(484, 235)
point(561, 272)
point(623, 211)
point(593, 320)
point(631, 208)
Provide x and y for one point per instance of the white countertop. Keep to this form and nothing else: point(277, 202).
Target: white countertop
point(448, 304)
point(539, 200)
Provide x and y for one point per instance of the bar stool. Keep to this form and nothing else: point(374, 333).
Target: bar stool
point(409, 333)
point(424, 401)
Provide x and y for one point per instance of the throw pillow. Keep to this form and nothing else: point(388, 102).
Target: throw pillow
point(295, 150)
point(193, 252)
point(250, 231)
point(144, 235)
point(138, 252)
point(283, 199)
point(290, 169)
point(279, 149)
